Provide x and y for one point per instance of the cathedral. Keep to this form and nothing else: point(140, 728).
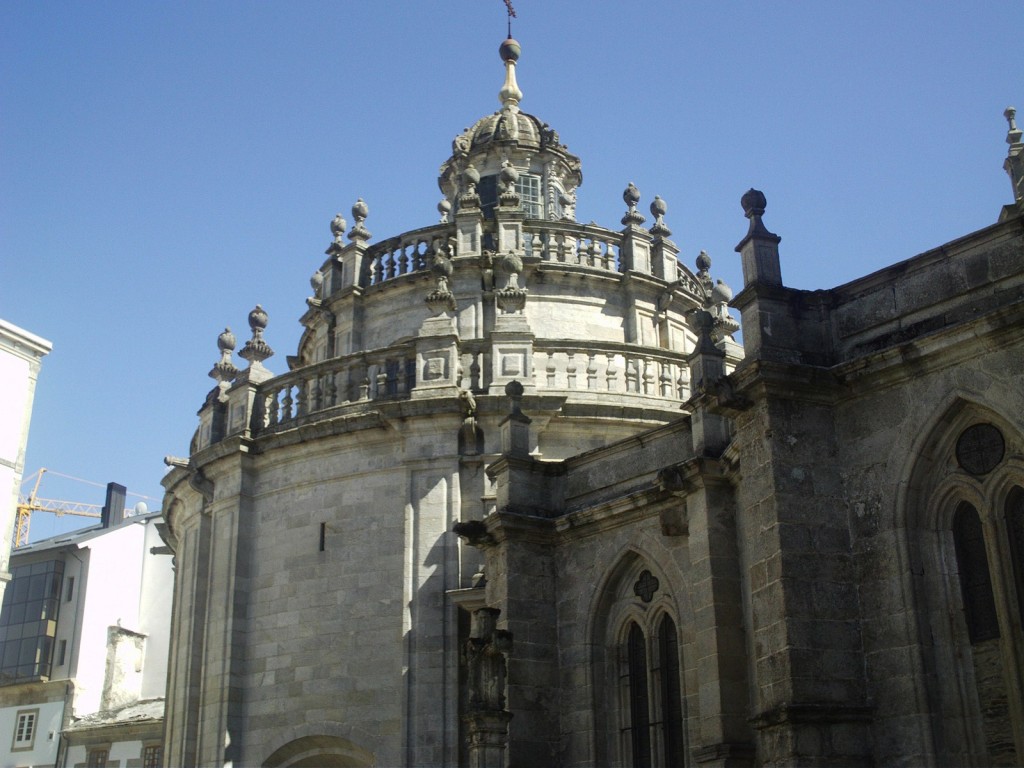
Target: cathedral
point(522, 498)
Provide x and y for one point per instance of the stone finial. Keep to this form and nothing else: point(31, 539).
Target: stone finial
point(704, 269)
point(224, 371)
point(759, 248)
point(444, 208)
point(514, 392)
point(441, 298)
point(508, 177)
point(359, 212)
point(724, 323)
point(1013, 135)
point(257, 350)
point(754, 203)
point(511, 298)
point(1014, 163)
point(338, 226)
point(631, 196)
point(316, 282)
point(658, 211)
point(510, 95)
point(469, 197)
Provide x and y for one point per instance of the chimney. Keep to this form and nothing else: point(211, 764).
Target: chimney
point(113, 510)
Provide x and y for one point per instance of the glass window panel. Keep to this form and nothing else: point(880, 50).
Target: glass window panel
point(671, 692)
point(639, 710)
point(1015, 528)
point(975, 579)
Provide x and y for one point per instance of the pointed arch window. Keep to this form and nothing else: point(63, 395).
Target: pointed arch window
point(652, 701)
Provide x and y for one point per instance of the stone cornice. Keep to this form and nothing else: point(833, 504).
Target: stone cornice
point(939, 349)
point(614, 513)
point(507, 526)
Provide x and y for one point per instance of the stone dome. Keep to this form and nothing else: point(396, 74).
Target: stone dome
point(509, 135)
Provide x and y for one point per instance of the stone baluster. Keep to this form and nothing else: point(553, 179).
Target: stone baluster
point(400, 387)
point(375, 268)
point(550, 369)
point(591, 370)
point(382, 382)
point(551, 247)
point(286, 404)
point(665, 379)
point(272, 409)
point(331, 388)
point(648, 376)
point(632, 375)
point(364, 387)
point(302, 398)
point(611, 372)
point(682, 383)
point(536, 245)
point(316, 401)
point(570, 370)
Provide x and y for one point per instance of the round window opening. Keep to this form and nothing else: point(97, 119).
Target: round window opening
point(980, 448)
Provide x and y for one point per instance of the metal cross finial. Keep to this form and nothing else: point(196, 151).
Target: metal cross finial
point(511, 15)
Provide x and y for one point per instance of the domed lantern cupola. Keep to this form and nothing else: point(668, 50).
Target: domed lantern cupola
point(548, 174)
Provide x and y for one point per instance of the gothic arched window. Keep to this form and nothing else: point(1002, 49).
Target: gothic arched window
point(652, 701)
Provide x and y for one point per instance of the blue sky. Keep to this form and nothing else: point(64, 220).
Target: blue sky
point(166, 166)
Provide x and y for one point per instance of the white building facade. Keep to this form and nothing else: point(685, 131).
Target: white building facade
point(83, 635)
point(21, 355)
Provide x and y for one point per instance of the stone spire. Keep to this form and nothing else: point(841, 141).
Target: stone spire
point(1014, 163)
point(510, 95)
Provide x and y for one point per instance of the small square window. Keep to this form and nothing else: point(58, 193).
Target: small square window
point(152, 756)
point(25, 729)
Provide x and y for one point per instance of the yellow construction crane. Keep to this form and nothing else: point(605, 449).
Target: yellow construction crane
point(32, 503)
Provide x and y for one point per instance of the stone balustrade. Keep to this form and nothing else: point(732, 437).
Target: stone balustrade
point(390, 374)
point(621, 368)
point(553, 242)
point(362, 377)
point(405, 254)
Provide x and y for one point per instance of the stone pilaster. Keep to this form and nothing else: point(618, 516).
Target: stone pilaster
point(437, 358)
point(722, 663)
point(808, 667)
